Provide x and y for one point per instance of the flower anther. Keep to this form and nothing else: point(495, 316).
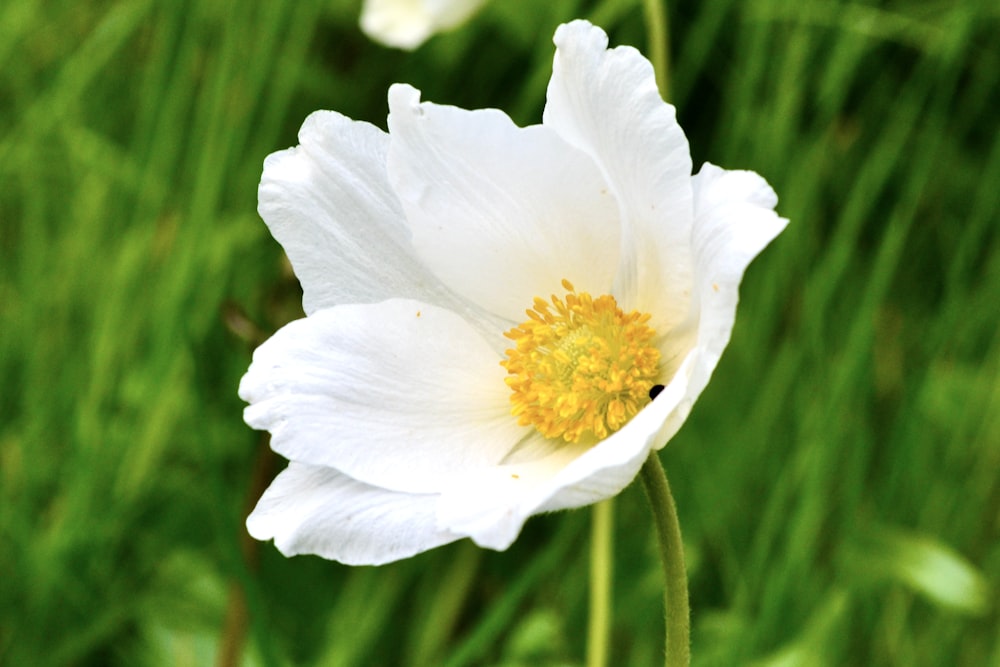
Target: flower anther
point(582, 367)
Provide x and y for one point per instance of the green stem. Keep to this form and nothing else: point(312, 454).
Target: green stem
point(601, 568)
point(668, 533)
point(659, 43)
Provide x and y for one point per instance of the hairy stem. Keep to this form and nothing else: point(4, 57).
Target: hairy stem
point(668, 533)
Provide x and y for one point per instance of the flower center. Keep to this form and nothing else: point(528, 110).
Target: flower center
point(582, 367)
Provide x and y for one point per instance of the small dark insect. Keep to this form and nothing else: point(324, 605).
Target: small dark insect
point(655, 390)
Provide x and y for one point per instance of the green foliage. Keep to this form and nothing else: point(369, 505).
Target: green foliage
point(838, 483)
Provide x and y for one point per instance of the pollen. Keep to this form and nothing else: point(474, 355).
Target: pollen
point(581, 367)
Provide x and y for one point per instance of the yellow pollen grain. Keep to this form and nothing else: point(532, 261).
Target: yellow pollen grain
point(581, 367)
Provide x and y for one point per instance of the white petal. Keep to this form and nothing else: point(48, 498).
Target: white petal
point(406, 24)
point(492, 505)
point(608, 467)
point(605, 102)
point(501, 214)
point(316, 510)
point(400, 395)
point(329, 203)
point(734, 221)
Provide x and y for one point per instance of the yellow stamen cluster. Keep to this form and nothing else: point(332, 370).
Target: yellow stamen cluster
point(582, 367)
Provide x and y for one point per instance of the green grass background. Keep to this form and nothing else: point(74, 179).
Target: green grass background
point(838, 482)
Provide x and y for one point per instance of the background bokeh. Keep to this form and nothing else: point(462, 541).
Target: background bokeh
point(838, 482)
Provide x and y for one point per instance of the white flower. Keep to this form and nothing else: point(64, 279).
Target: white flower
point(406, 24)
point(419, 249)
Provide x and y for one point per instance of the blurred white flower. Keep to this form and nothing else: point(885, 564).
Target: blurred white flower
point(406, 24)
point(490, 308)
